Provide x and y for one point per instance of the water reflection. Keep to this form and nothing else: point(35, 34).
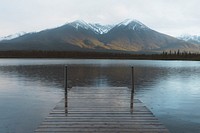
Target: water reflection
point(170, 89)
point(53, 75)
point(46, 75)
point(99, 76)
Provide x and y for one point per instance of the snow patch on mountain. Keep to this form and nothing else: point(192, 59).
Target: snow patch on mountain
point(190, 38)
point(101, 29)
point(13, 36)
point(97, 28)
point(132, 24)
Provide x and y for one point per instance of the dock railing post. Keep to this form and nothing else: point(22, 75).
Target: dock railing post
point(65, 78)
point(65, 85)
point(132, 79)
point(133, 88)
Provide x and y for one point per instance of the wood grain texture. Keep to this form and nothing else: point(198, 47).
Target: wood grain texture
point(100, 110)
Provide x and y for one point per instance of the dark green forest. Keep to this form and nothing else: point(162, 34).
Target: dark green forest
point(175, 55)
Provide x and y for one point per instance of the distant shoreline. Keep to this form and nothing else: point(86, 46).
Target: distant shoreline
point(99, 55)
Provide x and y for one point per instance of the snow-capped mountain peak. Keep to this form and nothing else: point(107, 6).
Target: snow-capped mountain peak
point(10, 37)
point(79, 23)
point(127, 21)
point(132, 24)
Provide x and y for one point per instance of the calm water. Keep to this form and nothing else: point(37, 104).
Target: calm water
point(30, 88)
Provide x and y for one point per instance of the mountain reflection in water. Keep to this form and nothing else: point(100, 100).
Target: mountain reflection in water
point(170, 89)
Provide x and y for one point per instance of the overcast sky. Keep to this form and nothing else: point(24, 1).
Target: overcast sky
point(172, 17)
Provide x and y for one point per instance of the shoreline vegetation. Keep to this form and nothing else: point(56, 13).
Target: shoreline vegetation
point(101, 55)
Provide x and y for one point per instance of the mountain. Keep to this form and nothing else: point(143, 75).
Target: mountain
point(9, 37)
point(190, 38)
point(129, 35)
point(132, 35)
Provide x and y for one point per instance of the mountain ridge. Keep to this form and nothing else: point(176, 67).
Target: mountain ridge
point(12, 36)
point(128, 35)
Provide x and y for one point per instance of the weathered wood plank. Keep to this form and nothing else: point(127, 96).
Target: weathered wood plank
point(104, 123)
point(100, 115)
point(98, 120)
point(103, 132)
point(97, 129)
point(95, 125)
point(100, 110)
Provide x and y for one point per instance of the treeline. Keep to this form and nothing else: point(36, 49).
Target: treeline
point(183, 55)
point(176, 55)
point(178, 52)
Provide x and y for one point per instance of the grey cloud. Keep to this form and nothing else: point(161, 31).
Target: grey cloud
point(172, 17)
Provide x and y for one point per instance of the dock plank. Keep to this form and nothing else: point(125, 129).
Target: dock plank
point(100, 110)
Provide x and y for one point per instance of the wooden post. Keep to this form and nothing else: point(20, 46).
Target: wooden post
point(65, 78)
point(65, 85)
point(132, 90)
point(66, 103)
point(132, 79)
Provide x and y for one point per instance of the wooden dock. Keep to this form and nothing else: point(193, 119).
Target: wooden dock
point(100, 110)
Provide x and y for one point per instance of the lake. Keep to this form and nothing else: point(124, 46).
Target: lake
point(30, 88)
